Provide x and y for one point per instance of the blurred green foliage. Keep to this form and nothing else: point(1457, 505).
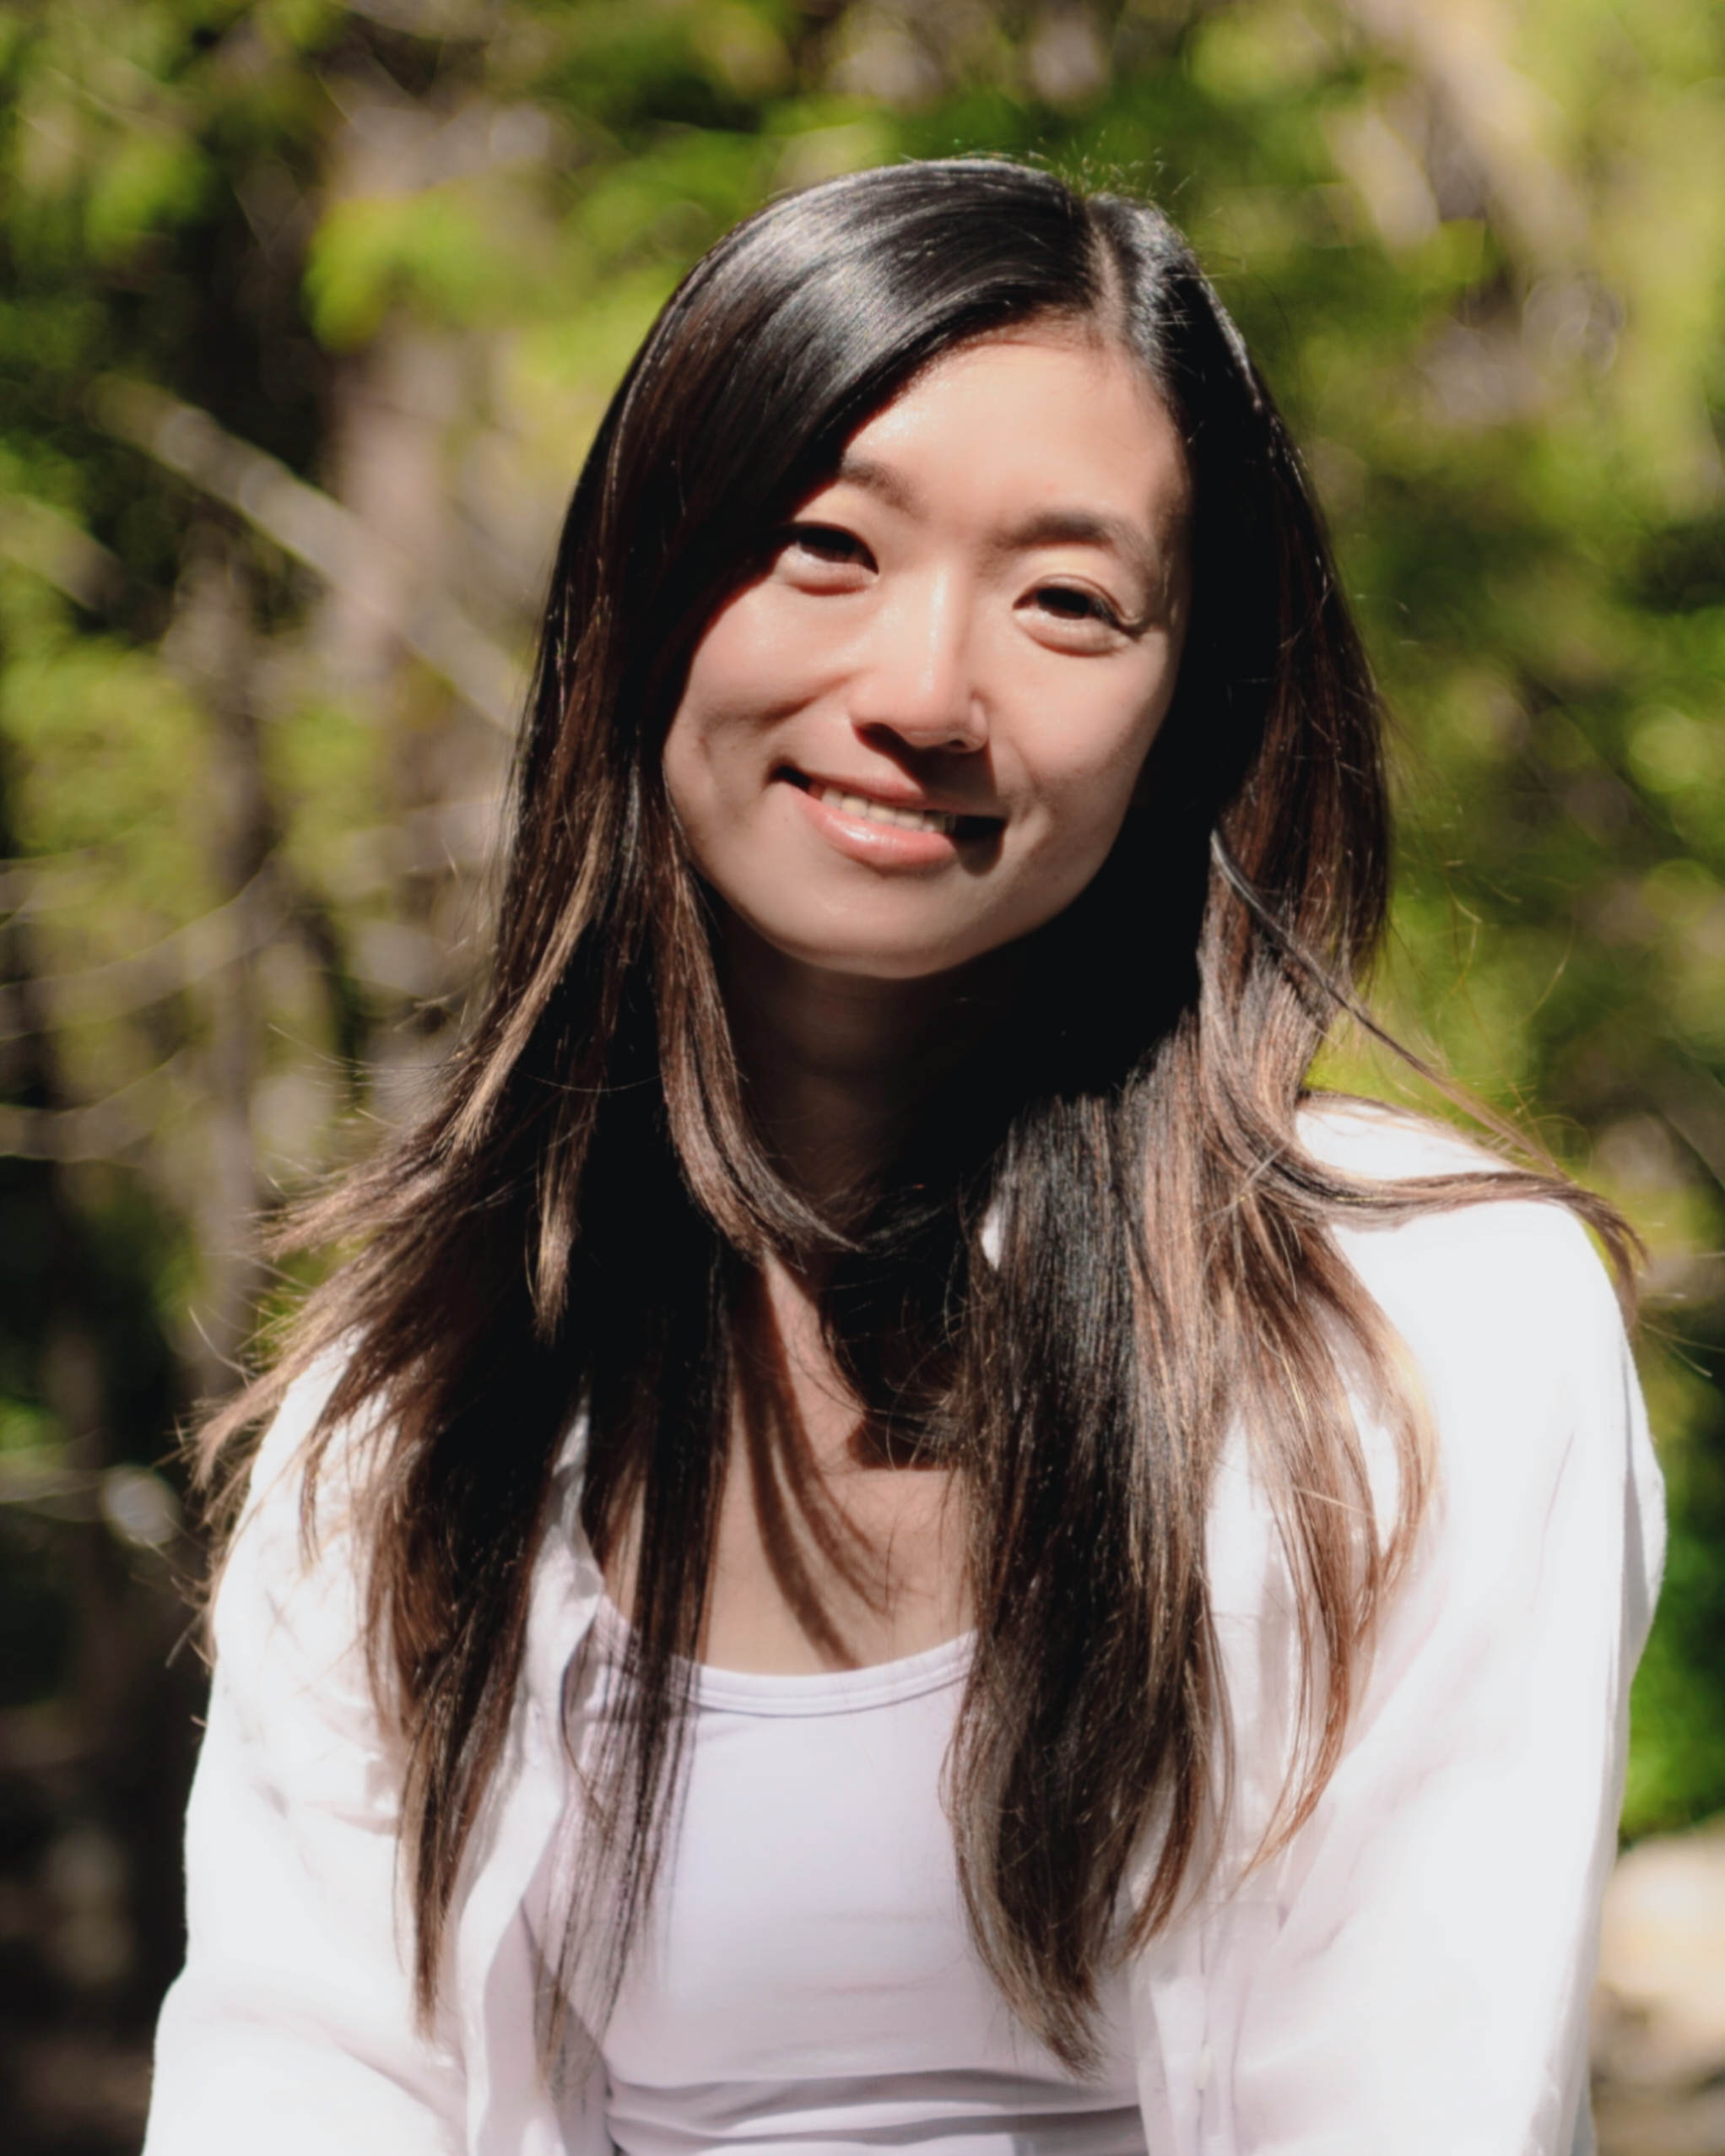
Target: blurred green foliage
point(405, 247)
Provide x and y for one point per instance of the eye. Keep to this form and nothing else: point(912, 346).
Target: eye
point(1073, 617)
point(1068, 603)
point(822, 548)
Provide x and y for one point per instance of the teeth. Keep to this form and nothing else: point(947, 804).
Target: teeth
point(858, 804)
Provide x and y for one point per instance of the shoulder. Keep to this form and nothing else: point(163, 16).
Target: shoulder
point(1512, 1338)
point(288, 1606)
point(1377, 1143)
point(1517, 1270)
point(303, 1490)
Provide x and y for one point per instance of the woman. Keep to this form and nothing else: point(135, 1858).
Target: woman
point(893, 1535)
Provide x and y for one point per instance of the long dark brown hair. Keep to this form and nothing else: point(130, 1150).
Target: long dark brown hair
point(1103, 1252)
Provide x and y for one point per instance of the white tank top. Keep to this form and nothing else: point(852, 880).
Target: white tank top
point(805, 1984)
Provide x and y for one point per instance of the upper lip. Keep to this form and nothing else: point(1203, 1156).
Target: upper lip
point(893, 795)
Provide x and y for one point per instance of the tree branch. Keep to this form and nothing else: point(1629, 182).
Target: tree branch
point(316, 530)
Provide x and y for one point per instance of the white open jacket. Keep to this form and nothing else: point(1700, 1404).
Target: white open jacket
point(1409, 1977)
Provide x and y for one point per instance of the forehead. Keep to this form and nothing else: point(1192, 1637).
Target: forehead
point(1035, 416)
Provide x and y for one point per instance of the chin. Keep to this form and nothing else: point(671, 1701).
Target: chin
point(849, 945)
point(875, 962)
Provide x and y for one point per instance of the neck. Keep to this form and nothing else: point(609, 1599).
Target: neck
point(838, 1065)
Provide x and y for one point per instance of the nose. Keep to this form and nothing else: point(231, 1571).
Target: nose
point(916, 679)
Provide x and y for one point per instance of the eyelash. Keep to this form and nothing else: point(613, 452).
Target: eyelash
point(826, 542)
point(1091, 605)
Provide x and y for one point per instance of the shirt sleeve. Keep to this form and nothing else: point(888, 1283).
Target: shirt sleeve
point(1412, 1974)
point(291, 2029)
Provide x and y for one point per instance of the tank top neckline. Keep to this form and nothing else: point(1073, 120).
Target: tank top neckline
point(818, 1692)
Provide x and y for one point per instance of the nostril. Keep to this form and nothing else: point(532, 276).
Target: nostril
point(946, 734)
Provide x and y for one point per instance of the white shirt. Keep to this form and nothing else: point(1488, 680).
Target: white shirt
point(806, 1984)
point(1408, 1978)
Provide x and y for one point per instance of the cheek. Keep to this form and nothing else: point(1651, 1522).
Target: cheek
point(710, 725)
point(746, 676)
point(688, 747)
point(758, 657)
point(1090, 767)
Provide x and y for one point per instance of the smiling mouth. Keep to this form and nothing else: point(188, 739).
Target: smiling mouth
point(898, 818)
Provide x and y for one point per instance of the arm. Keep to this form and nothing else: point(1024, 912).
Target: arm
point(291, 2029)
point(1412, 1975)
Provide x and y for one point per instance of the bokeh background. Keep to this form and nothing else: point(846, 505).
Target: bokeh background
point(308, 312)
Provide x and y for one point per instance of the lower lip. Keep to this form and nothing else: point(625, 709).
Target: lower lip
point(879, 845)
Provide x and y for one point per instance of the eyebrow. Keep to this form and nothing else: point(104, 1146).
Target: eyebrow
point(1089, 528)
point(875, 479)
point(1051, 526)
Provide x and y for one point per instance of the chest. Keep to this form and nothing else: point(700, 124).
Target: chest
point(806, 1967)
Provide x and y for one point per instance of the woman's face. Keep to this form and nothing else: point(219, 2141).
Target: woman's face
point(913, 737)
